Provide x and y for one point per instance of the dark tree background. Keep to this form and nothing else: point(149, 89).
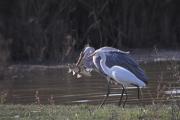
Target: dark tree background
point(43, 31)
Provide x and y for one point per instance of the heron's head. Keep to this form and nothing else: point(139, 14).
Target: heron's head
point(87, 51)
point(84, 57)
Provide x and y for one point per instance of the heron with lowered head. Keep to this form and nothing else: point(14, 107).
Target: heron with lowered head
point(115, 65)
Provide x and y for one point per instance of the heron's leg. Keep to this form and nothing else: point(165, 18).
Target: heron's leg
point(138, 95)
point(126, 97)
point(138, 92)
point(141, 93)
point(141, 96)
point(122, 93)
point(107, 94)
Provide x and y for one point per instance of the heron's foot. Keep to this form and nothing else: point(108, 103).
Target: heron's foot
point(100, 106)
point(102, 103)
point(120, 104)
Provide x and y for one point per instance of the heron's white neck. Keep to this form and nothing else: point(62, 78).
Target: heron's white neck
point(103, 64)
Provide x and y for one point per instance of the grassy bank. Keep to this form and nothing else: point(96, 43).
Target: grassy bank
point(88, 112)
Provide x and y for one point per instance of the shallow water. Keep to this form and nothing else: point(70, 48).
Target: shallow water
point(28, 84)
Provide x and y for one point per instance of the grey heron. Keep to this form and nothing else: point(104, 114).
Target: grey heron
point(116, 65)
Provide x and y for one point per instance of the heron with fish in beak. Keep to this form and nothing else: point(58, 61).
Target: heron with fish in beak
point(116, 65)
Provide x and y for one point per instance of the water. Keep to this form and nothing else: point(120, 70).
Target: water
point(23, 84)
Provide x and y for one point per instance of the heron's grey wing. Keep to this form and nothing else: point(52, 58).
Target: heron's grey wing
point(125, 61)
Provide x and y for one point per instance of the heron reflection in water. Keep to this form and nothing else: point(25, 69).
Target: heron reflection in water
point(115, 65)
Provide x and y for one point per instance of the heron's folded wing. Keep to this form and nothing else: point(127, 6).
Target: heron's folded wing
point(125, 61)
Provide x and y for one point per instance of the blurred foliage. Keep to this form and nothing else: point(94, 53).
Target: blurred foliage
point(52, 30)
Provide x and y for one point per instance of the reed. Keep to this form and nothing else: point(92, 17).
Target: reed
point(51, 31)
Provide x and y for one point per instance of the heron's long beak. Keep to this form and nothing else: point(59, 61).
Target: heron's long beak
point(80, 58)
